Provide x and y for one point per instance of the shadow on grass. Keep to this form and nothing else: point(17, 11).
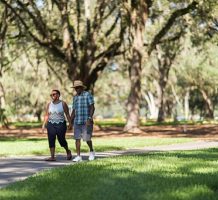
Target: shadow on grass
point(153, 176)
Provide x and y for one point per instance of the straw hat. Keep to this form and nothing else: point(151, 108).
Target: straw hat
point(78, 83)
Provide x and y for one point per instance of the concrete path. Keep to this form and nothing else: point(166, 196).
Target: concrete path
point(19, 168)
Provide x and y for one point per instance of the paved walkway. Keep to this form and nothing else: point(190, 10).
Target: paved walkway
point(19, 168)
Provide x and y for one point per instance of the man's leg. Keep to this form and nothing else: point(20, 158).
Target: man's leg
point(90, 145)
point(89, 130)
point(78, 158)
point(78, 144)
point(92, 153)
point(88, 136)
point(77, 137)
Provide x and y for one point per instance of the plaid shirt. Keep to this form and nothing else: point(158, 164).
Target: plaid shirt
point(81, 105)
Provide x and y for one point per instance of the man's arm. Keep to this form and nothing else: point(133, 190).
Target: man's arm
point(91, 110)
point(91, 113)
point(72, 116)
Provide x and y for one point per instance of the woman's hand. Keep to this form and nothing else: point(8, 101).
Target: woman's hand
point(43, 128)
point(70, 126)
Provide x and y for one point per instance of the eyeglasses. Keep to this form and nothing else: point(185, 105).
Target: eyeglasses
point(52, 95)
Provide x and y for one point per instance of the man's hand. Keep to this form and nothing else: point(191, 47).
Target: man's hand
point(89, 122)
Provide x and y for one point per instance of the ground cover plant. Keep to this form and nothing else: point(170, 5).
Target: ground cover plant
point(39, 146)
point(184, 175)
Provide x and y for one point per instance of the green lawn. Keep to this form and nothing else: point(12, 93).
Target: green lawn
point(13, 146)
point(185, 175)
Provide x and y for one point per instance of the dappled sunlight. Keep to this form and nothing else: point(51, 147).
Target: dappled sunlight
point(24, 194)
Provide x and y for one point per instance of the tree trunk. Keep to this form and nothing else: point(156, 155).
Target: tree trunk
point(133, 103)
point(161, 115)
point(153, 110)
point(2, 96)
point(38, 114)
point(3, 30)
point(165, 56)
point(209, 104)
point(138, 16)
point(3, 118)
point(186, 104)
point(161, 85)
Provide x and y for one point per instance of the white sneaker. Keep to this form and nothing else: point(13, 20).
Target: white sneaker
point(77, 159)
point(92, 155)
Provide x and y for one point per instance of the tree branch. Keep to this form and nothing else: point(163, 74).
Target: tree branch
point(113, 48)
point(54, 71)
point(37, 20)
point(169, 24)
point(97, 22)
point(47, 44)
point(113, 25)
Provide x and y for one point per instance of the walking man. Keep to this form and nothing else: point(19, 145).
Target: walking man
point(82, 118)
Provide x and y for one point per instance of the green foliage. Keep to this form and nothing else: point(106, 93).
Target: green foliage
point(197, 70)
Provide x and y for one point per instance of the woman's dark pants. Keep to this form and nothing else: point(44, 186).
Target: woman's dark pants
point(58, 130)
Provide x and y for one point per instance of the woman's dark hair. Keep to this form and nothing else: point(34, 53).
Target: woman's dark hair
point(58, 92)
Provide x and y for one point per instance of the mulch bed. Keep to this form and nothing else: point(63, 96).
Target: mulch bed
point(193, 131)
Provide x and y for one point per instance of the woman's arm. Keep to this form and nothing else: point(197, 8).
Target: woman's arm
point(45, 118)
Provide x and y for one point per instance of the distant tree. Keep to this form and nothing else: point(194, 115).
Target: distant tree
point(141, 8)
point(198, 77)
point(165, 54)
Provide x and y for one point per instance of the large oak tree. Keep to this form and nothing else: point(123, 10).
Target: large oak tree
point(83, 35)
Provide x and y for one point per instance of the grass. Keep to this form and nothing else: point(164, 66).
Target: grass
point(185, 175)
point(26, 124)
point(37, 146)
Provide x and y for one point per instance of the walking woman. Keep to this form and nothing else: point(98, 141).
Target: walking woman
point(55, 123)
